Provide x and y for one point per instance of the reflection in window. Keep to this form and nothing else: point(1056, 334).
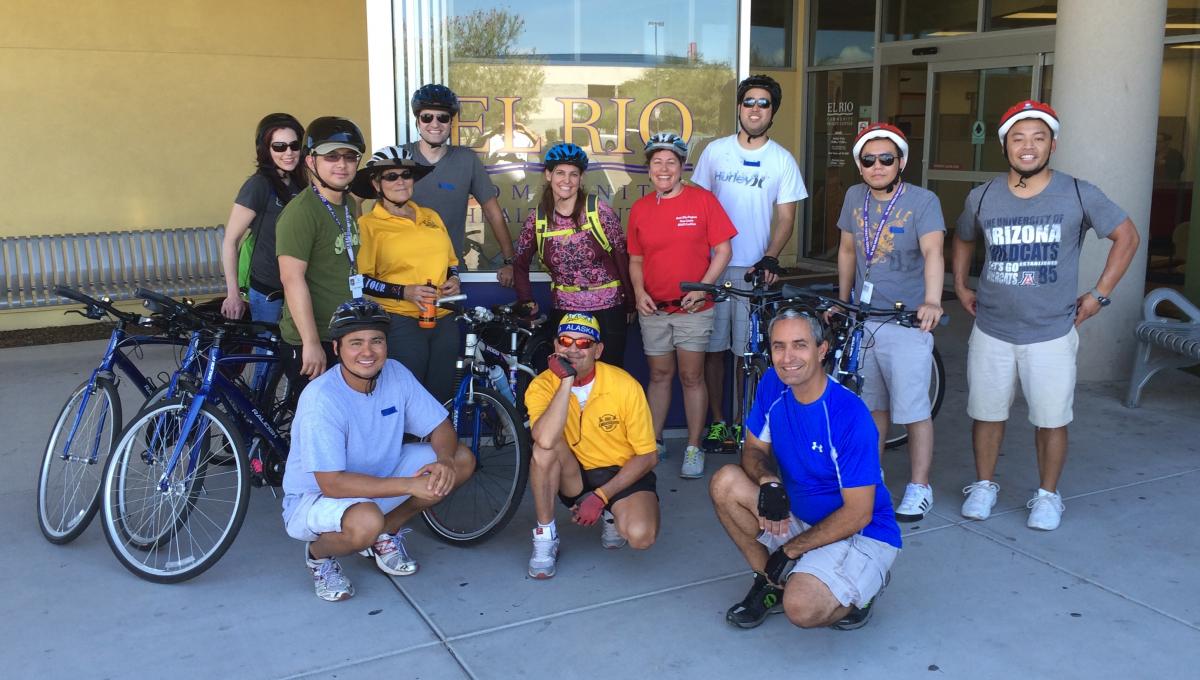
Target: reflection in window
point(843, 31)
point(771, 26)
point(1183, 17)
point(1006, 14)
point(911, 19)
point(839, 98)
point(1171, 226)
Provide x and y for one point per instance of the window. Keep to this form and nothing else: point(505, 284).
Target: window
point(771, 29)
point(841, 102)
point(1006, 14)
point(912, 19)
point(843, 32)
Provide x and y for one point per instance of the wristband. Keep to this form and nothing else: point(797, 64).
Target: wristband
point(779, 567)
point(603, 496)
point(509, 260)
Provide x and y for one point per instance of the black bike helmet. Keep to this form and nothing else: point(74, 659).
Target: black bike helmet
point(566, 152)
point(384, 159)
point(332, 130)
point(357, 315)
point(434, 96)
point(765, 82)
point(277, 120)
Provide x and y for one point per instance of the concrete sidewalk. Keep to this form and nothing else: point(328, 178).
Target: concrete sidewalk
point(1114, 592)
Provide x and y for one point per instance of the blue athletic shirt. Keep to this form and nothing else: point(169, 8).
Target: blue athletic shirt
point(822, 448)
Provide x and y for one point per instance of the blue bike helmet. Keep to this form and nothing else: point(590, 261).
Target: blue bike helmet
point(566, 152)
point(434, 96)
point(357, 315)
point(667, 140)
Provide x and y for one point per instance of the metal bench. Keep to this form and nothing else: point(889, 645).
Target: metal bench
point(184, 261)
point(1163, 342)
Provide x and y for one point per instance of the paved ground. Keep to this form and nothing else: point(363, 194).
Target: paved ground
point(1115, 592)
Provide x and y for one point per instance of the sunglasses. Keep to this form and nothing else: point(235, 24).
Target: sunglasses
point(761, 102)
point(280, 147)
point(886, 158)
point(581, 343)
point(350, 157)
point(393, 176)
point(442, 118)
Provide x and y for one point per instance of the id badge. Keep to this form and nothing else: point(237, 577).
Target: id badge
point(868, 289)
point(356, 286)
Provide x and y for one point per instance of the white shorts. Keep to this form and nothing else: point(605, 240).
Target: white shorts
point(896, 372)
point(307, 516)
point(731, 318)
point(1046, 371)
point(854, 569)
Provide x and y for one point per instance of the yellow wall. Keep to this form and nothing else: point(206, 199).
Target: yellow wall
point(128, 114)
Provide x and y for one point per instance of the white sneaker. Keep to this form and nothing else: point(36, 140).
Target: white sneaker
point(918, 499)
point(391, 556)
point(693, 463)
point(543, 561)
point(610, 538)
point(981, 498)
point(1045, 511)
point(328, 581)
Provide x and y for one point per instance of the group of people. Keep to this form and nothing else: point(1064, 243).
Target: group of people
point(806, 504)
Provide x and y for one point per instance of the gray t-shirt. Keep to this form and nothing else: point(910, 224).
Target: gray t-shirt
point(258, 195)
point(898, 267)
point(458, 174)
point(1030, 277)
point(338, 428)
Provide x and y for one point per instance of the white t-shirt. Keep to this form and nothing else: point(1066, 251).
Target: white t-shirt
point(338, 428)
point(582, 393)
point(749, 184)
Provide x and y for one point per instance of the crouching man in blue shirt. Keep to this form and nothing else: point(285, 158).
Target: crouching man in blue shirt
point(807, 506)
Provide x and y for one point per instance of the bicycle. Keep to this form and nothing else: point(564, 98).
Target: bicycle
point(176, 489)
point(756, 356)
point(488, 423)
point(849, 342)
point(85, 431)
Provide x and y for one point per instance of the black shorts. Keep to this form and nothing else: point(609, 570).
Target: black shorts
point(598, 477)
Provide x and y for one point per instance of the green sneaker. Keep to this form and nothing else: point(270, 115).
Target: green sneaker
point(714, 440)
point(733, 438)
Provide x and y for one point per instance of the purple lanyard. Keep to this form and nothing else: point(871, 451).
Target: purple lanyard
point(871, 242)
point(347, 238)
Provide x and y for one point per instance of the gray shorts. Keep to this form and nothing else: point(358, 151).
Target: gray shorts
point(896, 371)
point(663, 333)
point(854, 569)
point(731, 318)
point(306, 516)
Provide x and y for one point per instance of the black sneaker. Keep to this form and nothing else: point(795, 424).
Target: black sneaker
point(714, 439)
point(857, 618)
point(763, 599)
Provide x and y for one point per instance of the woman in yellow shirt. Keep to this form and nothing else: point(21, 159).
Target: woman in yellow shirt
point(406, 259)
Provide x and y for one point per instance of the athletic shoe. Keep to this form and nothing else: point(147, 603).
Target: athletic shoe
point(693, 463)
point(714, 440)
point(1045, 511)
point(545, 554)
point(662, 451)
point(733, 435)
point(857, 618)
point(610, 538)
point(981, 498)
point(918, 499)
point(763, 599)
point(328, 580)
point(391, 556)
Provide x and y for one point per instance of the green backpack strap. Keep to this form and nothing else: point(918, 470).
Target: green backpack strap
point(541, 232)
point(593, 218)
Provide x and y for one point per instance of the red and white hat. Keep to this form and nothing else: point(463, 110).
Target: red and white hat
point(881, 131)
point(1028, 109)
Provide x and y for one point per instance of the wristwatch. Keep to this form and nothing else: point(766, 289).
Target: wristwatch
point(1104, 301)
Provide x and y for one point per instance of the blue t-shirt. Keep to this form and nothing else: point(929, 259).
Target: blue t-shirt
point(822, 448)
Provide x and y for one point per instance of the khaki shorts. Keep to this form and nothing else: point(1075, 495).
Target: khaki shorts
point(896, 372)
point(854, 569)
point(1046, 371)
point(307, 516)
point(664, 333)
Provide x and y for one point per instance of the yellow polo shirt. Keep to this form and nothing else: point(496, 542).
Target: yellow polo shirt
point(408, 252)
point(613, 427)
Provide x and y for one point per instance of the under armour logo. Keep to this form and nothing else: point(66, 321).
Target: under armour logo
point(818, 448)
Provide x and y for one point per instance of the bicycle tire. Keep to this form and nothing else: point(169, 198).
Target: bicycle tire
point(536, 355)
point(897, 435)
point(81, 477)
point(155, 534)
point(758, 367)
point(484, 504)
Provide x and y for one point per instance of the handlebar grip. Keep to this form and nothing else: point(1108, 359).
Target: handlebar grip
point(692, 286)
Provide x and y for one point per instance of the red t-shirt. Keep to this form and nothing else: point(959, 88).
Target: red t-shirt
point(675, 237)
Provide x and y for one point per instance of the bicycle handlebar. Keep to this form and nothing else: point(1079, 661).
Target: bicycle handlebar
point(185, 313)
point(96, 309)
point(859, 312)
point(723, 291)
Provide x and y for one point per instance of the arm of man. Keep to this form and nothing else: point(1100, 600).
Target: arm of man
point(344, 484)
point(783, 221)
point(236, 227)
point(858, 505)
point(547, 427)
point(1125, 242)
point(961, 263)
point(930, 312)
point(759, 465)
point(847, 261)
point(634, 469)
point(299, 302)
point(494, 216)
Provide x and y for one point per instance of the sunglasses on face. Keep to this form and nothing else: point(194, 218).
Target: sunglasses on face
point(581, 343)
point(350, 157)
point(885, 158)
point(442, 118)
point(393, 176)
point(280, 147)
point(761, 102)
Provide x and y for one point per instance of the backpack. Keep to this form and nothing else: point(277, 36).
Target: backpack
point(541, 224)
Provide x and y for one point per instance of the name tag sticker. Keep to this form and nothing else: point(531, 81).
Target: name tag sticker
point(446, 185)
point(868, 290)
point(751, 164)
point(356, 286)
point(389, 411)
point(896, 230)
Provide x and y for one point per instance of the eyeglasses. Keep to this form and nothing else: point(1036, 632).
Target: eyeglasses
point(761, 102)
point(393, 176)
point(885, 158)
point(350, 157)
point(442, 118)
point(581, 343)
point(280, 147)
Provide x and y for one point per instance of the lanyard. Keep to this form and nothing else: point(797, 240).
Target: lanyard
point(347, 237)
point(871, 242)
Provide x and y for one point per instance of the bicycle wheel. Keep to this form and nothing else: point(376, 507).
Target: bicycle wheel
point(897, 435)
point(536, 355)
point(172, 535)
point(758, 367)
point(68, 493)
point(488, 425)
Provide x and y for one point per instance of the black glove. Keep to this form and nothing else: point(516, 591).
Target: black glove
point(779, 566)
point(766, 264)
point(773, 502)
